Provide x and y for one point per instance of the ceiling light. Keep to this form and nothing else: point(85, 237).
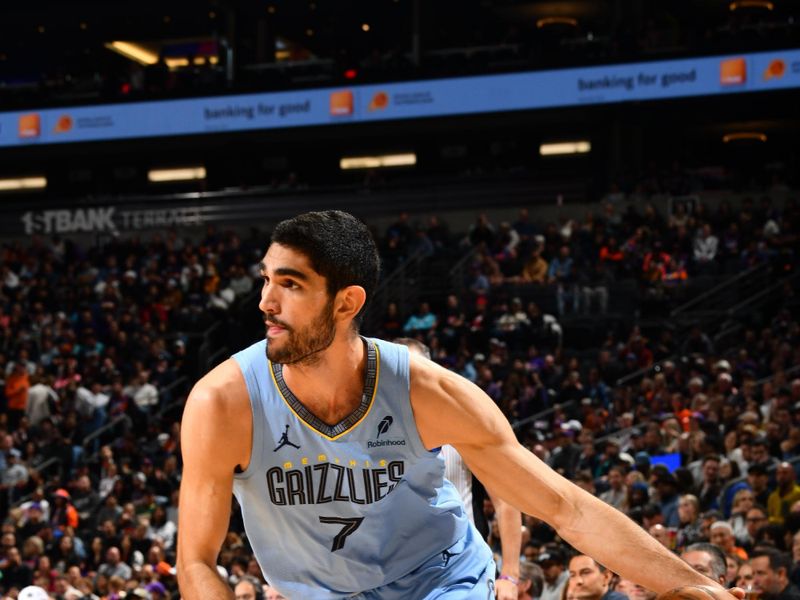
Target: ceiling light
point(135, 52)
point(576, 147)
point(765, 4)
point(365, 27)
point(177, 174)
point(84, 26)
point(174, 63)
point(378, 161)
point(309, 32)
point(547, 21)
point(23, 183)
point(744, 136)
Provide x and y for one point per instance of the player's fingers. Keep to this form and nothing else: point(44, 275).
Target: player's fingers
point(738, 592)
point(506, 590)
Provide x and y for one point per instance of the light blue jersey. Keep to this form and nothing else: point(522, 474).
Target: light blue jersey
point(360, 509)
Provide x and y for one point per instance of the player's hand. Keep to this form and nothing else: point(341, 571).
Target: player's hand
point(505, 590)
point(737, 592)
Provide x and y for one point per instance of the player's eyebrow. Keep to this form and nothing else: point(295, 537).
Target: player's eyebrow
point(284, 271)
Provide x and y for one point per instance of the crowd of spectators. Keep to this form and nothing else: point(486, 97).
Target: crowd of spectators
point(723, 417)
point(89, 335)
point(92, 336)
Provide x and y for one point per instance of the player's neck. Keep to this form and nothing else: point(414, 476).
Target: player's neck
point(331, 387)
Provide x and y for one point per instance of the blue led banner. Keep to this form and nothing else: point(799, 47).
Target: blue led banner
point(407, 100)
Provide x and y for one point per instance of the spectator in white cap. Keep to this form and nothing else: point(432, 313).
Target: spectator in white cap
point(33, 592)
point(721, 535)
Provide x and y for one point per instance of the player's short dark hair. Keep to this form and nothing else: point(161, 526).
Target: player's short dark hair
point(719, 566)
point(338, 246)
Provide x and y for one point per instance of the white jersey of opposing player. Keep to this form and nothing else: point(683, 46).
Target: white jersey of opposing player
point(457, 473)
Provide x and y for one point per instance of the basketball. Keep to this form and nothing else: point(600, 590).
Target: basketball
point(695, 592)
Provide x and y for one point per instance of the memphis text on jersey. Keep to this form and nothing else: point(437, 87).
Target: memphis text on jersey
point(327, 482)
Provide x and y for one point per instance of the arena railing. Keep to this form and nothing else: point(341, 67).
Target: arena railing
point(181, 382)
point(516, 425)
point(638, 374)
point(722, 289)
point(98, 432)
point(457, 274)
point(395, 287)
point(764, 293)
point(40, 468)
point(788, 372)
point(749, 284)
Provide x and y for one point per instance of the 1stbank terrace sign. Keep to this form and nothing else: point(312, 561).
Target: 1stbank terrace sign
point(629, 82)
point(107, 219)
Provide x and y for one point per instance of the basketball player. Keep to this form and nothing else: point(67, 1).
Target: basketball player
point(360, 509)
point(509, 518)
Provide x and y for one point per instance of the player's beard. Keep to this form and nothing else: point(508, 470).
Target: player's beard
point(304, 346)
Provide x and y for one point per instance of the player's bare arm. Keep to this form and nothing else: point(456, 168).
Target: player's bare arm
point(510, 524)
point(216, 437)
point(449, 409)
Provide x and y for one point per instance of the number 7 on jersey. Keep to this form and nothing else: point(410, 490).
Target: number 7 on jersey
point(349, 527)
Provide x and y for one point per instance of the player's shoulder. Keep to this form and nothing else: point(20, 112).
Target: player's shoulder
point(428, 375)
point(221, 390)
point(217, 421)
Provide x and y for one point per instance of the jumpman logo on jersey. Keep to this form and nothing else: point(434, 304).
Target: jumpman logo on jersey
point(284, 441)
point(446, 556)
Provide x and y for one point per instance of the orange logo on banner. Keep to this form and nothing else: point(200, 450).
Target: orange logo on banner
point(342, 103)
point(379, 101)
point(775, 70)
point(733, 71)
point(63, 124)
point(30, 126)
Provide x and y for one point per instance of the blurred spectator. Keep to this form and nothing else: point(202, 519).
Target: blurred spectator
point(706, 246)
point(531, 580)
point(552, 561)
point(535, 269)
point(615, 495)
point(689, 516)
point(785, 495)
point(743, 501)
point(771, 575)
point(589, 580)
point(482, 232)
point(721, 535)
point(707, 559)
point(113, 566)
point(16, 391)
point(421, 321)
point(562, 273)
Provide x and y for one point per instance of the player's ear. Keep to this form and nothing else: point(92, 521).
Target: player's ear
point(349, 301)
